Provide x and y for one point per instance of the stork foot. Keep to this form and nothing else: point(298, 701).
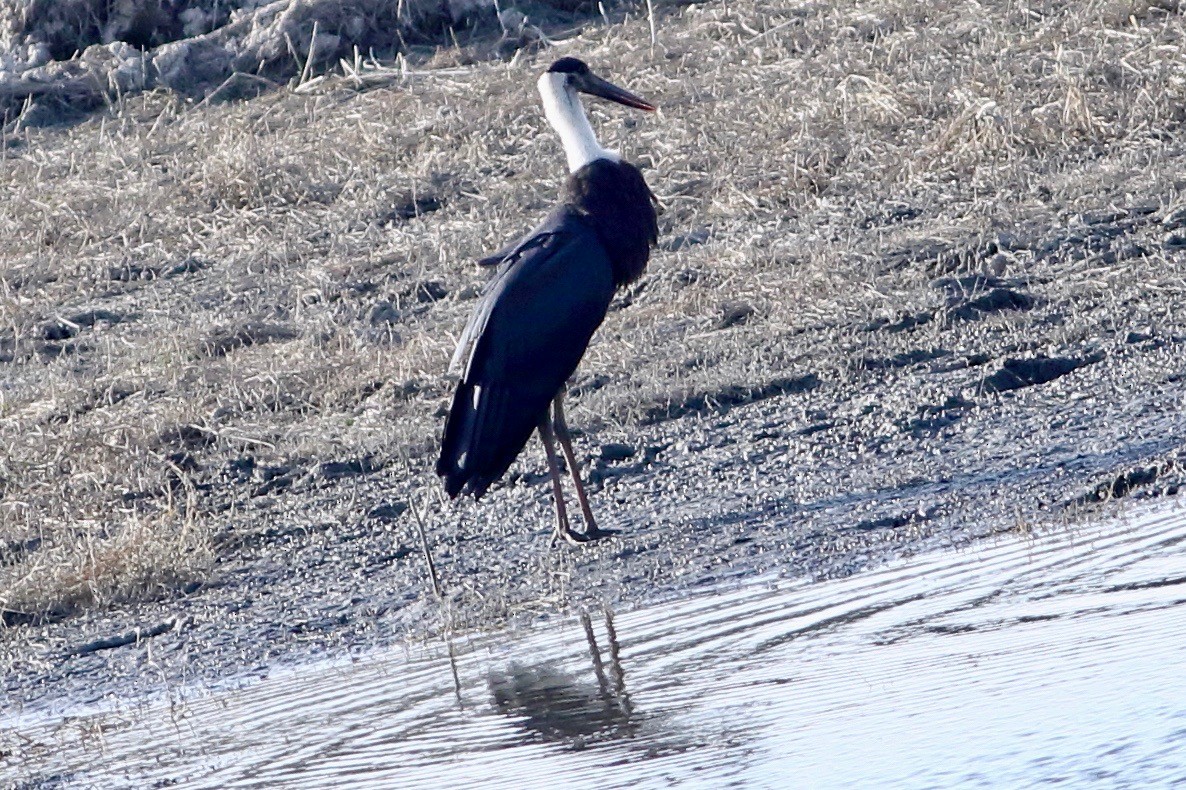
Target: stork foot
point(574, 538)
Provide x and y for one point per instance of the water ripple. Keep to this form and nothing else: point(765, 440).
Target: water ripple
point(1008, 664)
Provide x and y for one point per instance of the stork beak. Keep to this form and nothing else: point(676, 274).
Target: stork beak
point(596, 86)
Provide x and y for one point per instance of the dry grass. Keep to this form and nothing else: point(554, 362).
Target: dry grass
point(103, 564)
point(268, 268)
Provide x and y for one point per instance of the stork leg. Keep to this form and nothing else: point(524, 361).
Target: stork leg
point(563, 530)
point(592, 531)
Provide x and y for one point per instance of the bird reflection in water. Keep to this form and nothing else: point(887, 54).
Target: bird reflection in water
point(553, 705)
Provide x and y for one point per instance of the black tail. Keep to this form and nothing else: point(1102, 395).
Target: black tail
point(483, 435)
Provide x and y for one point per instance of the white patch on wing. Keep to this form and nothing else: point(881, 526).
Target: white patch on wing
point(464, 346)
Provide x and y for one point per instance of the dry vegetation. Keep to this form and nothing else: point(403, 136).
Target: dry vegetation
point(196, 299)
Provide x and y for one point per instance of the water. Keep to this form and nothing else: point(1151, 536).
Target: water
point(1010, 664)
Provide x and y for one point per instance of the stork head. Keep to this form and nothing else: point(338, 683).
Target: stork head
point(558, 87)
point(574, 75)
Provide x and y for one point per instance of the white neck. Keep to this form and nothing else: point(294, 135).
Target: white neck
point(564, 111)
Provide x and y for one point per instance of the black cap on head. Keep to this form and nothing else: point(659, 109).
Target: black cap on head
point(569, 66)
point(577, 76)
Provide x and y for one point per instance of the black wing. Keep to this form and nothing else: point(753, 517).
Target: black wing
point(523, 342)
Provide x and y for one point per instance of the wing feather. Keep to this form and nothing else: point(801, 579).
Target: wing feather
point(524, 340)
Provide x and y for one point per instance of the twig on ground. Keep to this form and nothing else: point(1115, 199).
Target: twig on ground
point(131, 637)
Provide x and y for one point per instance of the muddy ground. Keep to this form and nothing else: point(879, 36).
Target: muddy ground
point(833, 361)
point(930, 446)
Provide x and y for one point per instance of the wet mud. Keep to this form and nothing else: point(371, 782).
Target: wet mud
point(934, 444)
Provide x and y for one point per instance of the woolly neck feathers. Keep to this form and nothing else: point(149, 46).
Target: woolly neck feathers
point(564, 112)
